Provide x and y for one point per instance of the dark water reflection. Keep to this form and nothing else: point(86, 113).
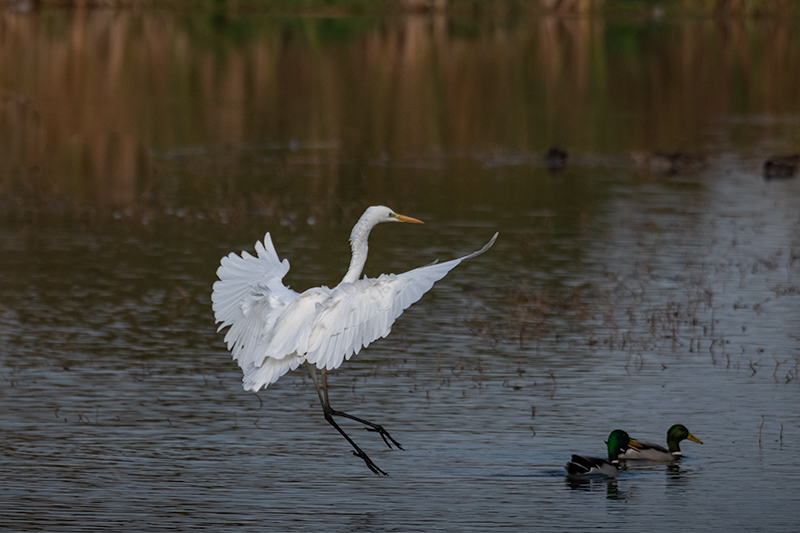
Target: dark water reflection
point(614, 297)
point(102, 108)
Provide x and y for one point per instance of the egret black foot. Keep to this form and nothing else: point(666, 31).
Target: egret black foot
point(371, 426)
point(358, 452)
point(384, 435)
point(372, 466)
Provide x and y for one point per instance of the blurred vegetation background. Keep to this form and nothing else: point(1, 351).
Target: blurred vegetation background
point(238, 105)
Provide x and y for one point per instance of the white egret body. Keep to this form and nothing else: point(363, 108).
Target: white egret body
point(274, 329)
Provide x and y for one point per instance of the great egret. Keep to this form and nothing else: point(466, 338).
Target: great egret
point(654, 452)
point(274, 329)
point(618, 442)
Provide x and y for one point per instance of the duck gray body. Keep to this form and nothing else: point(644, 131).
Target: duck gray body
point(654, 452)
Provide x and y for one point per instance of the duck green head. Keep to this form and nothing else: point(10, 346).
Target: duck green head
point(676, 434)
point(618, 442)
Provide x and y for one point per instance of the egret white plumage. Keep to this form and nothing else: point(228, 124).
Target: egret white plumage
point(274, 329)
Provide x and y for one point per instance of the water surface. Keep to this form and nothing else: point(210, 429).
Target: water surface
point(615, 297)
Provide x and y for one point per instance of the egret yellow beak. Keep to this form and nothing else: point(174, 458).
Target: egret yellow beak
point(403, 218)
point(694, 439)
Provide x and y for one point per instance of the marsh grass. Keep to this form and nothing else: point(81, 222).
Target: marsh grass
point(106, 112)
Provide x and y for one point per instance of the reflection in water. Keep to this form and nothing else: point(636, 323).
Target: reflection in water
point(674, 470)
point(613, 492)
point(620, 488)
point(98, 94)
point(615, 297)
point(610, 486)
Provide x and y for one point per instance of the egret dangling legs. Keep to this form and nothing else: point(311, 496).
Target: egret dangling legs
point(329, 413)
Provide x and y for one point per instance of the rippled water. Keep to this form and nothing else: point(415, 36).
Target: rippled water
point(615, 297)
point(121, 407)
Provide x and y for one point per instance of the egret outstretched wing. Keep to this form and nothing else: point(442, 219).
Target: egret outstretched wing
point(250, 297)
point(273, 329)
point(356, 314)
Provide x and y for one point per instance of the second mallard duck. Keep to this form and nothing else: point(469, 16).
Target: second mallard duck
point(654, 452)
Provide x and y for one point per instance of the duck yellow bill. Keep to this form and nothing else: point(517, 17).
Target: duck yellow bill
point(403, 218)
point(694, 439)
point(635, 444)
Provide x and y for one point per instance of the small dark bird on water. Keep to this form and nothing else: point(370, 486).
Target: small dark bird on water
point(781, 166)
point(555, 159)
point(671, 163)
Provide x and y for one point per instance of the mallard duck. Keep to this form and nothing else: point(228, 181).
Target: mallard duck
point(654, 452)
point(555, 159)
point(618, 442)
point(781, 166)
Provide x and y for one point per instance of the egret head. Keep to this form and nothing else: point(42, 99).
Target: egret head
point(358, 236)
point(380, 213)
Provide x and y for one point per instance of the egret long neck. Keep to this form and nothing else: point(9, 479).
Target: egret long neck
point(358, 245)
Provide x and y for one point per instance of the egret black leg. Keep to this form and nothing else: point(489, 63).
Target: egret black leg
point(329, 413)
point(370, 425)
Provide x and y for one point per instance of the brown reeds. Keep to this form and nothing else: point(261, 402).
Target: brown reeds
point(106, 112)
